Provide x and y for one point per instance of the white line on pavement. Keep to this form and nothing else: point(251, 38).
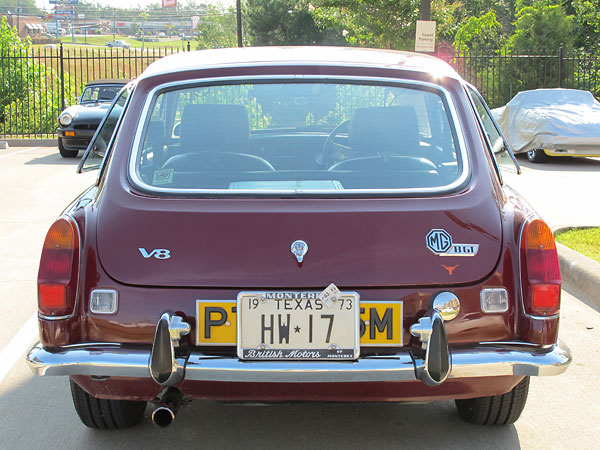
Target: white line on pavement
point(18, 345)
point(20, 151)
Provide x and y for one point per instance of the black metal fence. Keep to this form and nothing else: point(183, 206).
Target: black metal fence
point(500, 74)
point(36, 86)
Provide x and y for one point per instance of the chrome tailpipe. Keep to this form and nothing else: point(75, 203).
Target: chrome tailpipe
point(166, 409)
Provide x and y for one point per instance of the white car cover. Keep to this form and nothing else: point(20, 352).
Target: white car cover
point(551, 119)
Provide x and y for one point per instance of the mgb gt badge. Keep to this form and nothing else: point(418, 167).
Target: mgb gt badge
point(299, 249)
point(440, 242)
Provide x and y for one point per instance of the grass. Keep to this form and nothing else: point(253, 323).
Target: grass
point(586, 241)
point(103, 39)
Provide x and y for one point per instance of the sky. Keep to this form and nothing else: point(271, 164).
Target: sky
point(45, 4)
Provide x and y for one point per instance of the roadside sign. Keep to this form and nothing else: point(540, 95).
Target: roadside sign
point(425, 36)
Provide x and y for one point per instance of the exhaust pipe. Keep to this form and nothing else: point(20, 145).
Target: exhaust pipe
point(167, 407)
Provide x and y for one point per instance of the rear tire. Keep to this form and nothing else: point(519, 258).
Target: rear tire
point(105, 414)
point(537, 156)
point(497, 409)
point(66, 153)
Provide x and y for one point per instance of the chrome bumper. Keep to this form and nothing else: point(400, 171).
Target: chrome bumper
point(114, 360)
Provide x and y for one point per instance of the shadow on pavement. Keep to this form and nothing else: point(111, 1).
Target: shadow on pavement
point(55, 159)
point(562, 164)
point(44, 405)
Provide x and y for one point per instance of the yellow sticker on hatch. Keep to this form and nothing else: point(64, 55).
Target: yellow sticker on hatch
point(380, 323)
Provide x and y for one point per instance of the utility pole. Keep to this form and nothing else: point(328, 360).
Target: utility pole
point(18, 8)
point(238, 10)
point(425, 9)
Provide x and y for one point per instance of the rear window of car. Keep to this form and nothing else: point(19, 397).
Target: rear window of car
point(319, 137)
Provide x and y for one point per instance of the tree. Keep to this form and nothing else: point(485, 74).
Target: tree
point(14, 66)
point(27, 101)
point(217, 29)
point(542, 26)
point(479, 33)
point(370, 23)
point(587, 17)
point(20, 6)
point(285, 22)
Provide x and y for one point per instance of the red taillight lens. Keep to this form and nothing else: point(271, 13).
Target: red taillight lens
point(540, 270)
point(57, 277)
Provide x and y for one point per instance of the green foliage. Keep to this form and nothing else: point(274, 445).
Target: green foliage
point(14, 66)
point(587, 17)
point(542, 26)
point(284, 22)
point(370, 23)
point(27, 103)
point(479, 32)
point(217, 29)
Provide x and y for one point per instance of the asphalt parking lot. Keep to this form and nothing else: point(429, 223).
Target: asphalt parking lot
point(35, 186)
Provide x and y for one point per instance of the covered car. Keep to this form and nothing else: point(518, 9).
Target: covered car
point(298, 224)
point(78, 123)
point(551, 122)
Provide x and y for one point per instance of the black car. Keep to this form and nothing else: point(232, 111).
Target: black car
point(78, 123)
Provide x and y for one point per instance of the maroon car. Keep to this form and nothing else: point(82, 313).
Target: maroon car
point(298, 224)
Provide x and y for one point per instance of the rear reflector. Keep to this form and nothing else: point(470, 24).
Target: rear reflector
point(540, 270)
point(104, 301)
point(57, 277)
point(494, 300)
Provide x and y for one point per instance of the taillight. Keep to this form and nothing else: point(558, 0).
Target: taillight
point(540, 270)
point(57, 277)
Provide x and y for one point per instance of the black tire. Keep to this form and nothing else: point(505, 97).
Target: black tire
point(66, 153)
point(537, 156)
point(106, 414)
point(496, 409)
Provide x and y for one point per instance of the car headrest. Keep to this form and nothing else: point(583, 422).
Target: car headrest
point(105, 94)
point(210, 126)
point(390, 130)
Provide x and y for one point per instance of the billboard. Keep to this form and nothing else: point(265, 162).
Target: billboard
point(169, 3)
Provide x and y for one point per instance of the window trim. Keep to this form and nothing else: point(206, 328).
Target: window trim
point(470, 88)
point(80, 167)
point(458, 132)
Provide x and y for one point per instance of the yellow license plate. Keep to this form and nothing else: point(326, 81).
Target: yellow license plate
point(380, 323)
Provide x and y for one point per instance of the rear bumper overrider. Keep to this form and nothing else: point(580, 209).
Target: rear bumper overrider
point(114, 360)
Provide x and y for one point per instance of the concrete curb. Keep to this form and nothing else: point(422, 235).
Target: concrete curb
point(580, 274)
point(49, 142)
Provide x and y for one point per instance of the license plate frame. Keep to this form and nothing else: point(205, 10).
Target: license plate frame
point(348, 335)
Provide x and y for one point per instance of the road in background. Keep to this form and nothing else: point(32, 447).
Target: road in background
point(35, 186)
point(564, 191)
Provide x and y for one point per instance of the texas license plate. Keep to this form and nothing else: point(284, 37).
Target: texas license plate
point(297, 326)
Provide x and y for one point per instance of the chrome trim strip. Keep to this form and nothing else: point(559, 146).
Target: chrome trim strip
point(479, 361)
point(144, 117)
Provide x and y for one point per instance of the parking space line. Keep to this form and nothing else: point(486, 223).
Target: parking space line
point(18, 345)
point(20, 151)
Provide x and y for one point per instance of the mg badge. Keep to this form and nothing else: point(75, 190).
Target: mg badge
point(299, 249)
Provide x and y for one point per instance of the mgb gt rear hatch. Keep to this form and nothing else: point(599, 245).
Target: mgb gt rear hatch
point(248, 243)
